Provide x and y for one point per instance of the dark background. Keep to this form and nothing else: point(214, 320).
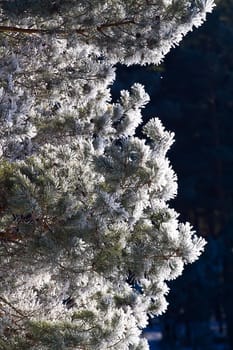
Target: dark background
point(192, 93)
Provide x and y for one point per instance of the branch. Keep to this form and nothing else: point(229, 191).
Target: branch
point(11, 29)
point(115, 24)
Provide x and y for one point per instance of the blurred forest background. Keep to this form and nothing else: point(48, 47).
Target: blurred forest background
point(192, 93)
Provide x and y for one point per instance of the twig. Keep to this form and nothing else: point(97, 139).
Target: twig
point(13, 307)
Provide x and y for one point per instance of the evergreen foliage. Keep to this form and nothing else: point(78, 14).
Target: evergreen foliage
point(87, 236)
point(199, 110)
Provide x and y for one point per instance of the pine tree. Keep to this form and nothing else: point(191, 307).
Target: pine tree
point(87, 235)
